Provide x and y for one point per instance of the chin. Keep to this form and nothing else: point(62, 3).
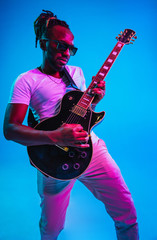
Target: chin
point(60, 67)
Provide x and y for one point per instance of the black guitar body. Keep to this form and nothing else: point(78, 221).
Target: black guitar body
point(64, 162)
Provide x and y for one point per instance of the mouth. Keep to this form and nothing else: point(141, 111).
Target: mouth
point(63, 61)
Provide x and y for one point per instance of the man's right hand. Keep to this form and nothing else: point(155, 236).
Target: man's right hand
point(69, 135)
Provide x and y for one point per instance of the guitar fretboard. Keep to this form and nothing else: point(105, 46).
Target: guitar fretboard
point(109, 62)
point(87, 97)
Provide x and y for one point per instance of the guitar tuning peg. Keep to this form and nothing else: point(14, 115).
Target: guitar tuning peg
point(117, 38)
point(135, 37)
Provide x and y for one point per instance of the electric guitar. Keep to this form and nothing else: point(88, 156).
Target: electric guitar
point(66, 163)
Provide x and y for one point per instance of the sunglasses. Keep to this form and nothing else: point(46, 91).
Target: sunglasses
point(62, 47)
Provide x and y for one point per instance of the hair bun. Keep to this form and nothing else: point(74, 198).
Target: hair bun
point(49, 13)
point(45, 21)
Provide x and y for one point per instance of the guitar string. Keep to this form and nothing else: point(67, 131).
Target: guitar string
point(73, 118)
point(76, 119)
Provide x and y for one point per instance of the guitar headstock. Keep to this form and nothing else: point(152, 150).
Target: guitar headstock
point(127, 36)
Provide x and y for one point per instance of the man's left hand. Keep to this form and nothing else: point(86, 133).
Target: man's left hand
point(99, 92)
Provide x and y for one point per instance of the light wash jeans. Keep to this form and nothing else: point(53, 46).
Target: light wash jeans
point(103, 178)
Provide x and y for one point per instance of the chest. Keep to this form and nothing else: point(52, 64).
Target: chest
point(50, 91)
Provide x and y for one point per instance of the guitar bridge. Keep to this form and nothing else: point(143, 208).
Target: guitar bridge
point(79, 111)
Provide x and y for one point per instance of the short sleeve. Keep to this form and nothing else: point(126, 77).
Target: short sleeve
point(20, 91)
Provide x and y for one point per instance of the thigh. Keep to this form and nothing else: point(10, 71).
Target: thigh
point(104, 179)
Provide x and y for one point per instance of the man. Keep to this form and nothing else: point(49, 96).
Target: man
point(42, 90)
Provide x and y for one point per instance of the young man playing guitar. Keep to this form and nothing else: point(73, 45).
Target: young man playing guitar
point(42, 90)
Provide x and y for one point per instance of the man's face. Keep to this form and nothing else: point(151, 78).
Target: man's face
point(55, 58)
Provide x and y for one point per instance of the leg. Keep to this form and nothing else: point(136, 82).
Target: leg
point(55, 197)
point(104, 180)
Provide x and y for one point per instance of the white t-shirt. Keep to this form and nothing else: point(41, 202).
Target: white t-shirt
point(43, 93)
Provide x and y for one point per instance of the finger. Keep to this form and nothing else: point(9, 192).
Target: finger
point(101, 85)
point(86, 145)
point(81, 134)
point(72, 125)
point(102, 82)
point(81, 139)
point(97, 91)
point(77, 127)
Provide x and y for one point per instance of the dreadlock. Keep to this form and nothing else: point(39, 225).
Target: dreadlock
point(44, 22)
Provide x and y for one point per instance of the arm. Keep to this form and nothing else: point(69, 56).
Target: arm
point(67, 134)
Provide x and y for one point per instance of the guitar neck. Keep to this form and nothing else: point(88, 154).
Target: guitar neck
point(87, 97)
point(108, 63)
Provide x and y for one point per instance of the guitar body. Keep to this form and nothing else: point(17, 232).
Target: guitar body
point(69, 162)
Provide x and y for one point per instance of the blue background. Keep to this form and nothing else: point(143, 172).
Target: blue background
point(129, 128)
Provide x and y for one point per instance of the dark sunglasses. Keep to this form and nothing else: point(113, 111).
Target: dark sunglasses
point(62, 47)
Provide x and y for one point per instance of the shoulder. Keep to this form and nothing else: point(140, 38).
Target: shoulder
point(77, 75)
point(28, 79)
point(29, 75)
point(74, 70)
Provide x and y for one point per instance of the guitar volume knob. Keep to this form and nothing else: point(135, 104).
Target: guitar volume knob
point(76, 166)
point(83, 154)
point(65, 166)
point(71, 154)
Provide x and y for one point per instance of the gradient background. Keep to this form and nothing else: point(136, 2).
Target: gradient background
point(129, 128)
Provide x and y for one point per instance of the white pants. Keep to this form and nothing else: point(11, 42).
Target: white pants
point(103, 178)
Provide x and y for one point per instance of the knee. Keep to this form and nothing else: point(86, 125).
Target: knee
point(126, 224)
point(49, 230)
point(128, 216)
point(131, 216)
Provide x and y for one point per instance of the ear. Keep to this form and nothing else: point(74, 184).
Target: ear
point(42, 43)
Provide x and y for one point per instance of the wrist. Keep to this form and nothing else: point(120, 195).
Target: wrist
point(49, 137)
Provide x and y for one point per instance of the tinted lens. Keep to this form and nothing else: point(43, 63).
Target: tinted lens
point(63, 47)
point(73, 51)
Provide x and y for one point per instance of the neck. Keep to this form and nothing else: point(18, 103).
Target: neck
point(51, 71)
